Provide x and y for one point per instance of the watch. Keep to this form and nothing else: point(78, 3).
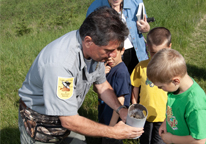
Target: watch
point(122, 106)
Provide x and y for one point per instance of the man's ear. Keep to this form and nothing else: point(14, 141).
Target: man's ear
point(88, 41)
point(176, 81)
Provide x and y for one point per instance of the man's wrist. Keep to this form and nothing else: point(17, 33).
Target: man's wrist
point(117, 110)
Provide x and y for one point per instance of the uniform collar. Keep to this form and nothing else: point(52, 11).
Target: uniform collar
point(81, 56)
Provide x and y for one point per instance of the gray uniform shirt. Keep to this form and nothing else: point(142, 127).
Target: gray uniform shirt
point(58, 80)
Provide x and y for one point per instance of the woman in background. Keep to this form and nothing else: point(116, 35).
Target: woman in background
point(135, 48)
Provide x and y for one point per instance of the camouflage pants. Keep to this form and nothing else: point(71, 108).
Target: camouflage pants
point(111, 141)
point(73, 138)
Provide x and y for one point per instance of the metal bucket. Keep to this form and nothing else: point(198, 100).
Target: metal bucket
point(137, 115)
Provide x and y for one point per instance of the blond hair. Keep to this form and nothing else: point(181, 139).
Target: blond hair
point(165, 65)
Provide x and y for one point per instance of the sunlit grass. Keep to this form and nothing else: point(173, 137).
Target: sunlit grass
point(50, 19)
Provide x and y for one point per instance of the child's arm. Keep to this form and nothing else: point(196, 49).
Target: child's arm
point(135, 95)
point(169, 138)
point(163, 128)
point(115, 116)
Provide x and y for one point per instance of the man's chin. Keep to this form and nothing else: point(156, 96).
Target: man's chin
point(101, 60)
point(104, 60)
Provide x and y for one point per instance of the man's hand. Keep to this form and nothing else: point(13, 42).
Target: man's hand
point(88, 127)
point(143, 26)
point(124, 131)
point(123, 114)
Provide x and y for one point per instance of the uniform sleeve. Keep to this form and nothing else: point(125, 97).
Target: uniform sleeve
point(58, 90)
point(135, 77)
point(101, 77)
point(196, 124)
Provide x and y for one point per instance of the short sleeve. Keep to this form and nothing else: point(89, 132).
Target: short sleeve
point(101, 78)
point(135, 77)
point(53, 76)
point(122, 83)
point(196, 124)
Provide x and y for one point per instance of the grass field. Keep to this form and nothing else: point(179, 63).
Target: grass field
point(28, 26)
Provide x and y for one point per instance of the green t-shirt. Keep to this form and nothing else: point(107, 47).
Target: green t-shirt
point(186, 113)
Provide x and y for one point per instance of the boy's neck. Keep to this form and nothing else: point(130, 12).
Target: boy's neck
point(117, 63)
point(185, 84)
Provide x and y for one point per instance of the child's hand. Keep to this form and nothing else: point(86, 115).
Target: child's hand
point(167, 137)
point(143, 26)
point(107, 68)
point(162, 128)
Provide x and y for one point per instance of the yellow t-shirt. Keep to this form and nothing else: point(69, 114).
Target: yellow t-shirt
point(153, 98)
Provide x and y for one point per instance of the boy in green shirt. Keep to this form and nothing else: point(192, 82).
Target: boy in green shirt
point(186, 106)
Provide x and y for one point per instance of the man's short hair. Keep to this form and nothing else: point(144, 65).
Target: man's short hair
point(104, 25)
point(158, 36)
point(165, 65)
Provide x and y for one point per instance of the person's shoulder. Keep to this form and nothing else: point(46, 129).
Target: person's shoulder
point(121, 69)
point(96, 4)
point(69, 46)
point(142, 64)
point(65, 39)
point(195, 88)
point(196, 95)
point(132, 3)
point(60, 47)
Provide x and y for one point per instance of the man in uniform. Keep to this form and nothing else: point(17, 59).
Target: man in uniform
point(60, 77)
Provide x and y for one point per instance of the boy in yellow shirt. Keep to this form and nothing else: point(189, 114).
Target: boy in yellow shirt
point(151, 97)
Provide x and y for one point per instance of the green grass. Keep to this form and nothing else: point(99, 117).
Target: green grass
point(28, 26)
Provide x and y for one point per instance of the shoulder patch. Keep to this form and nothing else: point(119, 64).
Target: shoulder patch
point(65, 87)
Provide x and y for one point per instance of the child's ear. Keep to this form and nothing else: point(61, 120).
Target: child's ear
point(122, 51)
point(176, 80)
point(170, 45)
